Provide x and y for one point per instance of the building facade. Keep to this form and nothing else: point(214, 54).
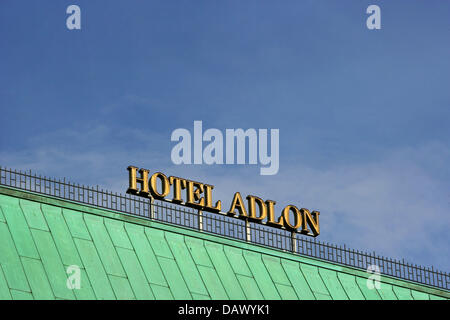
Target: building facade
point(56, 248)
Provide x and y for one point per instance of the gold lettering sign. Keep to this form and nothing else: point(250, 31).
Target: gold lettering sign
point(199, 195)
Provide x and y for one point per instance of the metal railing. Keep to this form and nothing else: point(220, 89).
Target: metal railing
point(222, 225)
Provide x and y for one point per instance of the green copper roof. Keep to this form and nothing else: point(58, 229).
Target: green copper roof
point(126, 257)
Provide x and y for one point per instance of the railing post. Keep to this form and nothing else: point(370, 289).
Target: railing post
point(200, 220)
point(152, 209)
point(293, 242)
point(247, 230)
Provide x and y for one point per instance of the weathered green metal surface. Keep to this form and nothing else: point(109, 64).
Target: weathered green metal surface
point(126, 257)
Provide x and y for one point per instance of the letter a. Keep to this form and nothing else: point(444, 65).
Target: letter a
point(374, 20)
point(74, 20)
point(181, 152)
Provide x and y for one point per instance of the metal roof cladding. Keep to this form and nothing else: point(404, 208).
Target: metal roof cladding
point(122, 256)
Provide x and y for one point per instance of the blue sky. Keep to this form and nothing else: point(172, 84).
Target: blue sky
point(363, 115)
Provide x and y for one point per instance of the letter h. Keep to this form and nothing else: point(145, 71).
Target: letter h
point(134, 180)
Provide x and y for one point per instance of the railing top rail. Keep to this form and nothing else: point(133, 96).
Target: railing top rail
point(168, 212)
